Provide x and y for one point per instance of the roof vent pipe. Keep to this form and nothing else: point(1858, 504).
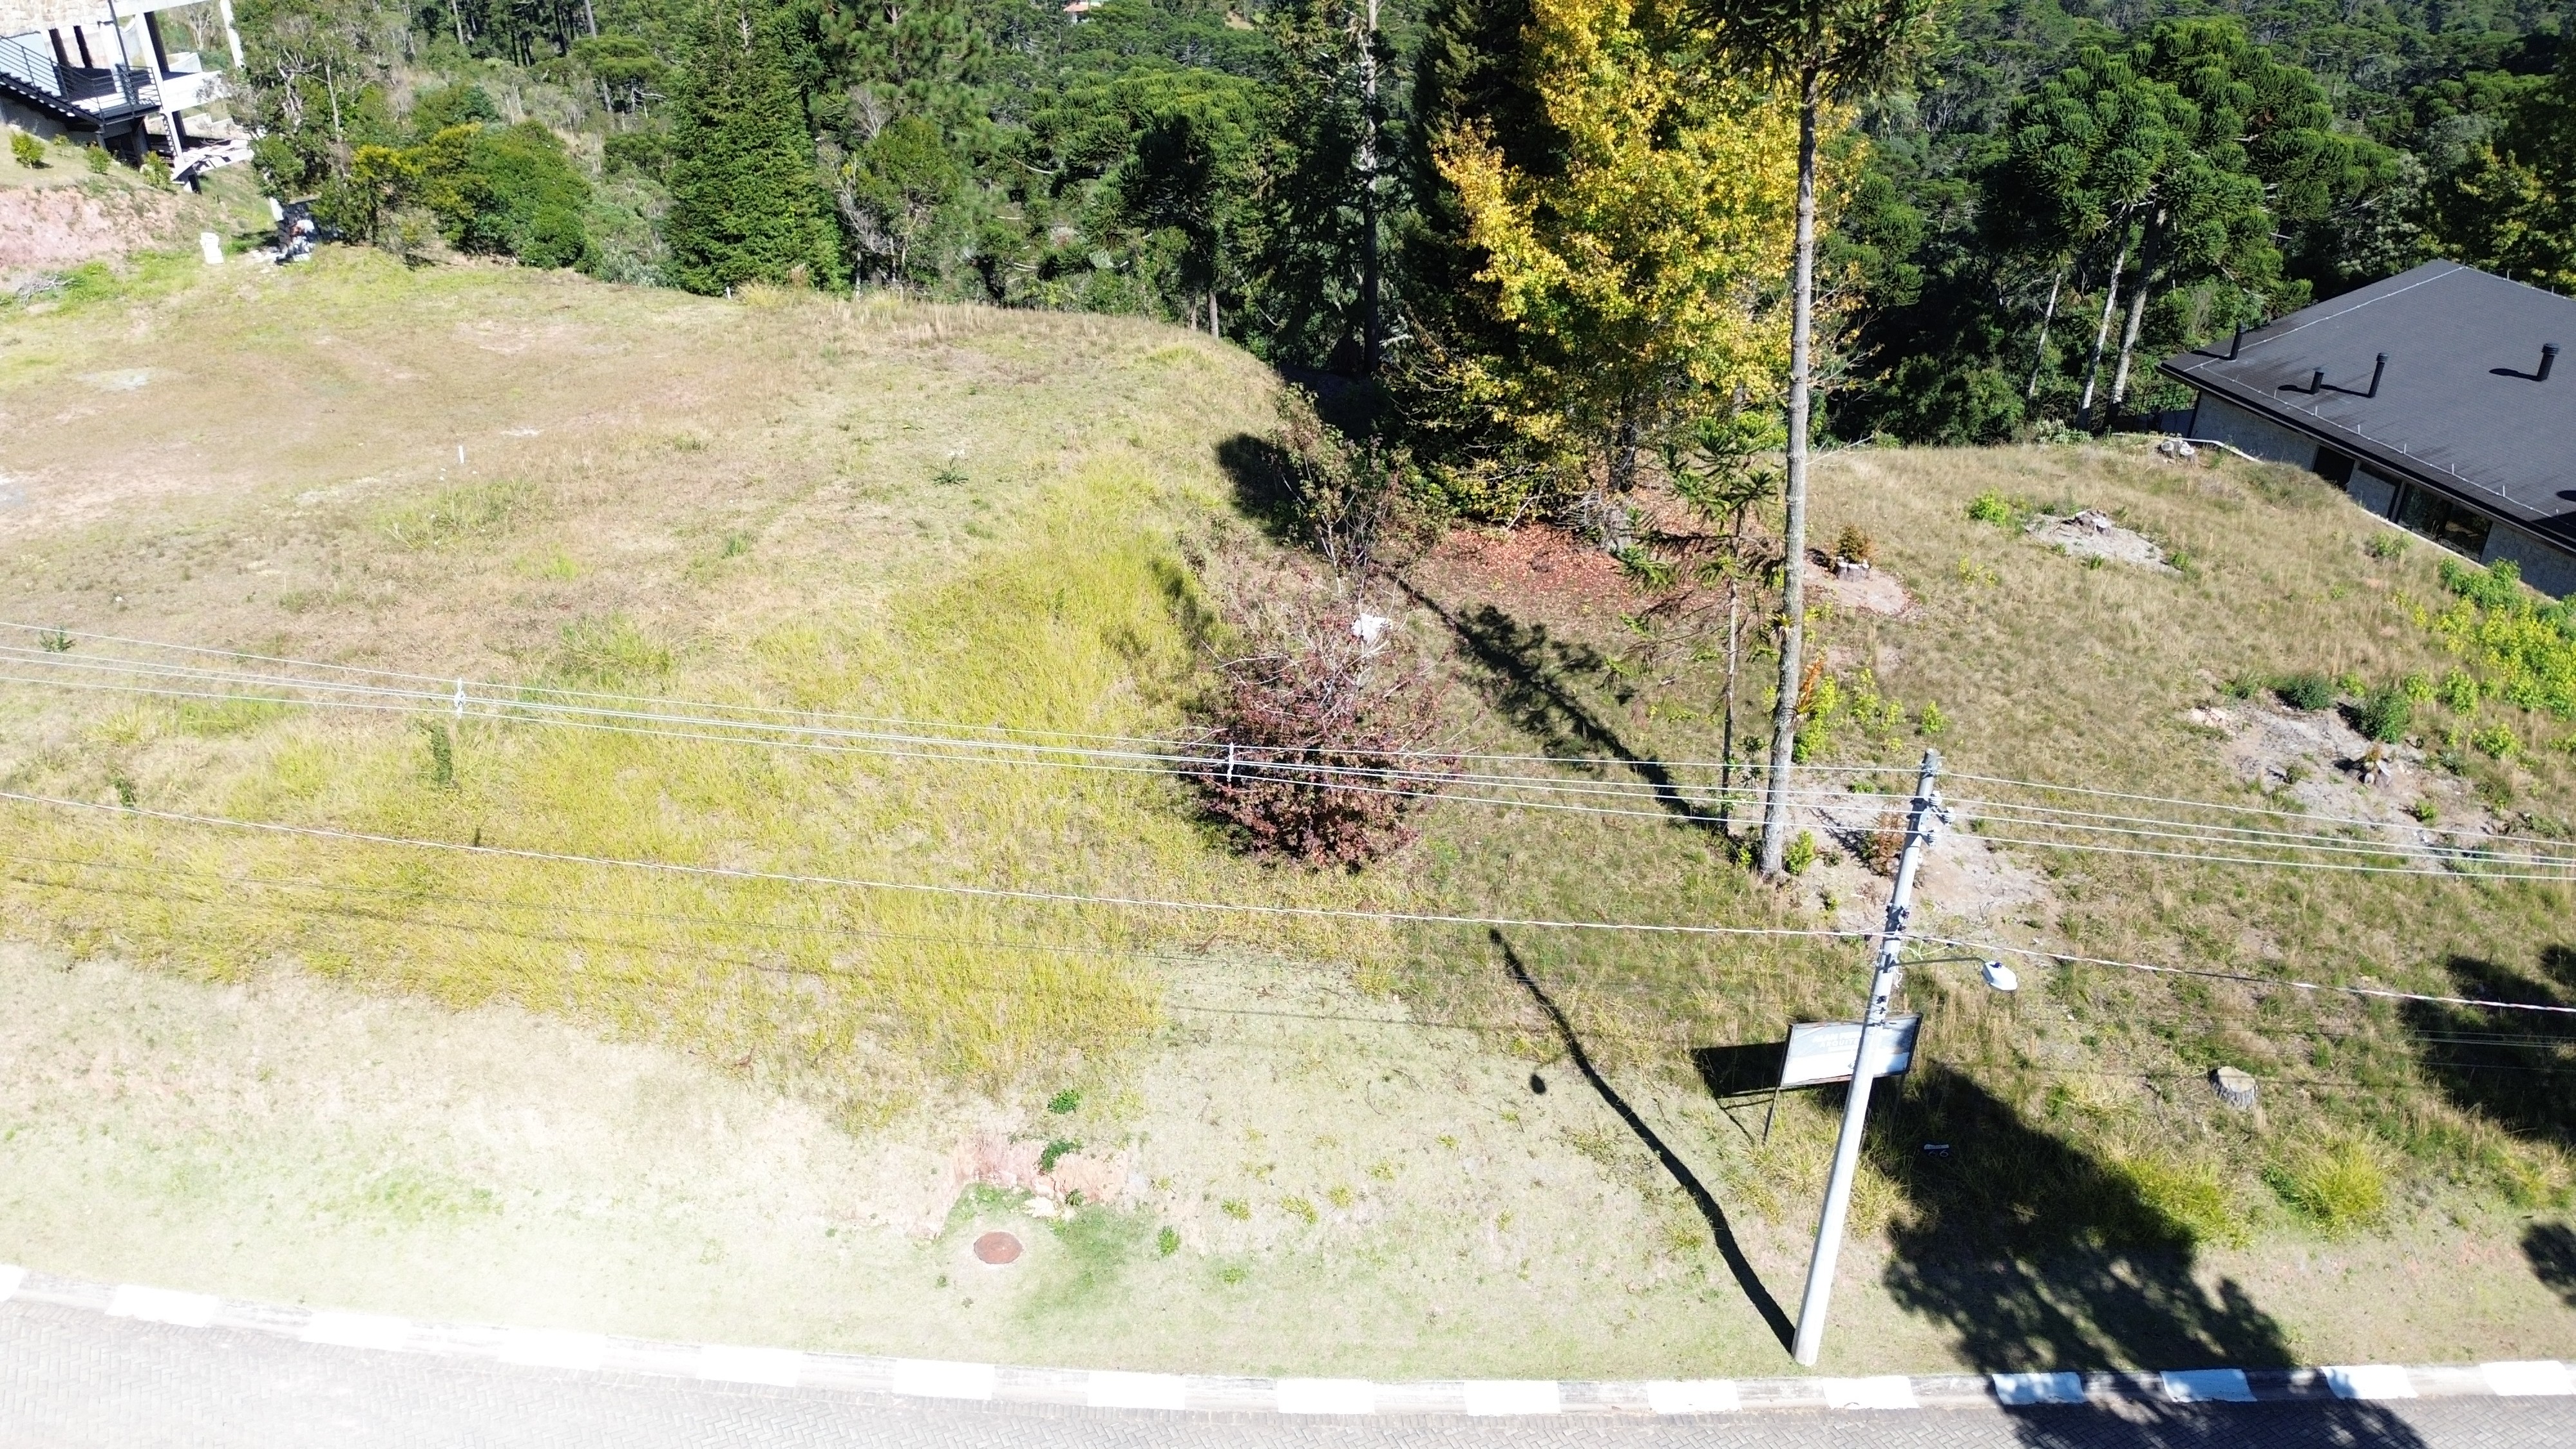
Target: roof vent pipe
point(2376, 370)
point(2548, 360)
point(2238, 345)
point(2316, 382)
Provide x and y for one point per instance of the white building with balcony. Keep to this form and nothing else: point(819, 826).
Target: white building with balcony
point(106, 70)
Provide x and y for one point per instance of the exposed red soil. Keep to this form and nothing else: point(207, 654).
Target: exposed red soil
point(1541, 570)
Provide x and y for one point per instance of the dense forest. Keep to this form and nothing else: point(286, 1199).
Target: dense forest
point(1550, 237)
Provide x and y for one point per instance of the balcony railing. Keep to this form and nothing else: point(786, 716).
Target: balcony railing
point(108, 91)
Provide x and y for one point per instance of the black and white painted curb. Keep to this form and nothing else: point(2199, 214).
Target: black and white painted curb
point(1110, 1389)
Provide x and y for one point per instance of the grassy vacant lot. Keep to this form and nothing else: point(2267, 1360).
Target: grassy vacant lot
point(502, 1089)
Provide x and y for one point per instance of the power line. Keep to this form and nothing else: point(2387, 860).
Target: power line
point(924, 888)
point(1674, 807)
point(2275, 982)
point(1200, 759)
point(2455, 869)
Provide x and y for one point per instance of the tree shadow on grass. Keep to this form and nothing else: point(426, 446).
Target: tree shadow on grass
point(2039, 1255)
point(1529, 677)
point(2551, 1247)
point(1263, 490)
point(1746, 1278)
point(2515, 1068)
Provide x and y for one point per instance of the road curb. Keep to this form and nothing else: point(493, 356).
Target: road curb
point(947, 1379)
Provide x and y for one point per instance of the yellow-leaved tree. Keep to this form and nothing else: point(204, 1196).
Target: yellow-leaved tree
point(1641, 267)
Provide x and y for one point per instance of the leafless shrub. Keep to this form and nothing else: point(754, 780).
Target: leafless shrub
point(1879, 847)
point(1320, 749)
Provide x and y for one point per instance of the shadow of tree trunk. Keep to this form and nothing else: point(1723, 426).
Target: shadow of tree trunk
point(1746, 1278)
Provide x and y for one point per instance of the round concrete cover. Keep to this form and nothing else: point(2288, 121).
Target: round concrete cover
point(997, 1249)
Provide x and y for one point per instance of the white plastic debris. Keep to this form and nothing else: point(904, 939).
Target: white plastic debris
point(1370, 629)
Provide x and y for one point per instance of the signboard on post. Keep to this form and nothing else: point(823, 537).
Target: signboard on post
point(1826, 1051)
point(1820, 1053)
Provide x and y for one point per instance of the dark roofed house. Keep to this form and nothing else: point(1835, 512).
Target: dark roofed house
point(2434, 398)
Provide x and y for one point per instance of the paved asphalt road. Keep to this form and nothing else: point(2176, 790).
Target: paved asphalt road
point(70, 1377)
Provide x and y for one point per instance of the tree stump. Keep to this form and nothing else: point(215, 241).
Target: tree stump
point(2234, 1087)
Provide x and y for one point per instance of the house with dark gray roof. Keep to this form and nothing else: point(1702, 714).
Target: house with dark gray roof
point(2435, 399)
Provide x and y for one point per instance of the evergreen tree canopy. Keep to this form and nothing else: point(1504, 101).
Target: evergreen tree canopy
point(746, 204)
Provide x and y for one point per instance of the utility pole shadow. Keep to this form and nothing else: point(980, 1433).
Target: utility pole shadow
point(1746, 1278)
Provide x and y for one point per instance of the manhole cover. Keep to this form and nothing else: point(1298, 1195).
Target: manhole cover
point(997, 1249)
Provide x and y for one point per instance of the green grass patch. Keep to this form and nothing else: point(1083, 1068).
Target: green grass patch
point(611, 652)
point(467, 513)
point(223, 718)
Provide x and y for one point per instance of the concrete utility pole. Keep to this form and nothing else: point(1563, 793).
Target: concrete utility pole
point(1920, 826)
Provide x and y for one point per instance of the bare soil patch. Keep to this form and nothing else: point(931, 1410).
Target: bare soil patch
point(1863, 589)
point(2320, 763)
point(53, 227)
point(2092, 534)
point(1548, 573)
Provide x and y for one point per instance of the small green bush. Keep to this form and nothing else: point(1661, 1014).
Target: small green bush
point(2339, 1189)
point(1853, 545)
point(2307, 691)
point(1167, 1242)
point(1992, 507)
point(2386, 714)
point(1800, 854)
point(1932, 723)
point(1065, 1101)
point(2495, 741)
point(98, 159)
point(25, 149)
point(2385, 544)
point(2459, 690)
point(2418, 688)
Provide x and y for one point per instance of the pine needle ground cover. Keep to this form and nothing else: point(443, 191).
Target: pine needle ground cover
point(530, 1091)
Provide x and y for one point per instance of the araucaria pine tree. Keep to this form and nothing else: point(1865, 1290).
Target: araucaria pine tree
point(746, 202)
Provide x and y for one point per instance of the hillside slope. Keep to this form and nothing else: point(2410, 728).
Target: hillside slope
point(744, 1109)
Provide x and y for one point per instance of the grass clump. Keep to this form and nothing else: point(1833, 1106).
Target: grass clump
point(223, 718)
point(2188, 1199)
point(467, 513)
point(2340, 1189)
point(1993, 507)
point(610, 651)
point(1065, 1102)
point(25, 149)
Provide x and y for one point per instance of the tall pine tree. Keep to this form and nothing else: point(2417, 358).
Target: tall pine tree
point(746, 203)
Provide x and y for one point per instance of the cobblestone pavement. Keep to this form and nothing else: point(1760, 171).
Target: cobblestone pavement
point(71, 1378)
